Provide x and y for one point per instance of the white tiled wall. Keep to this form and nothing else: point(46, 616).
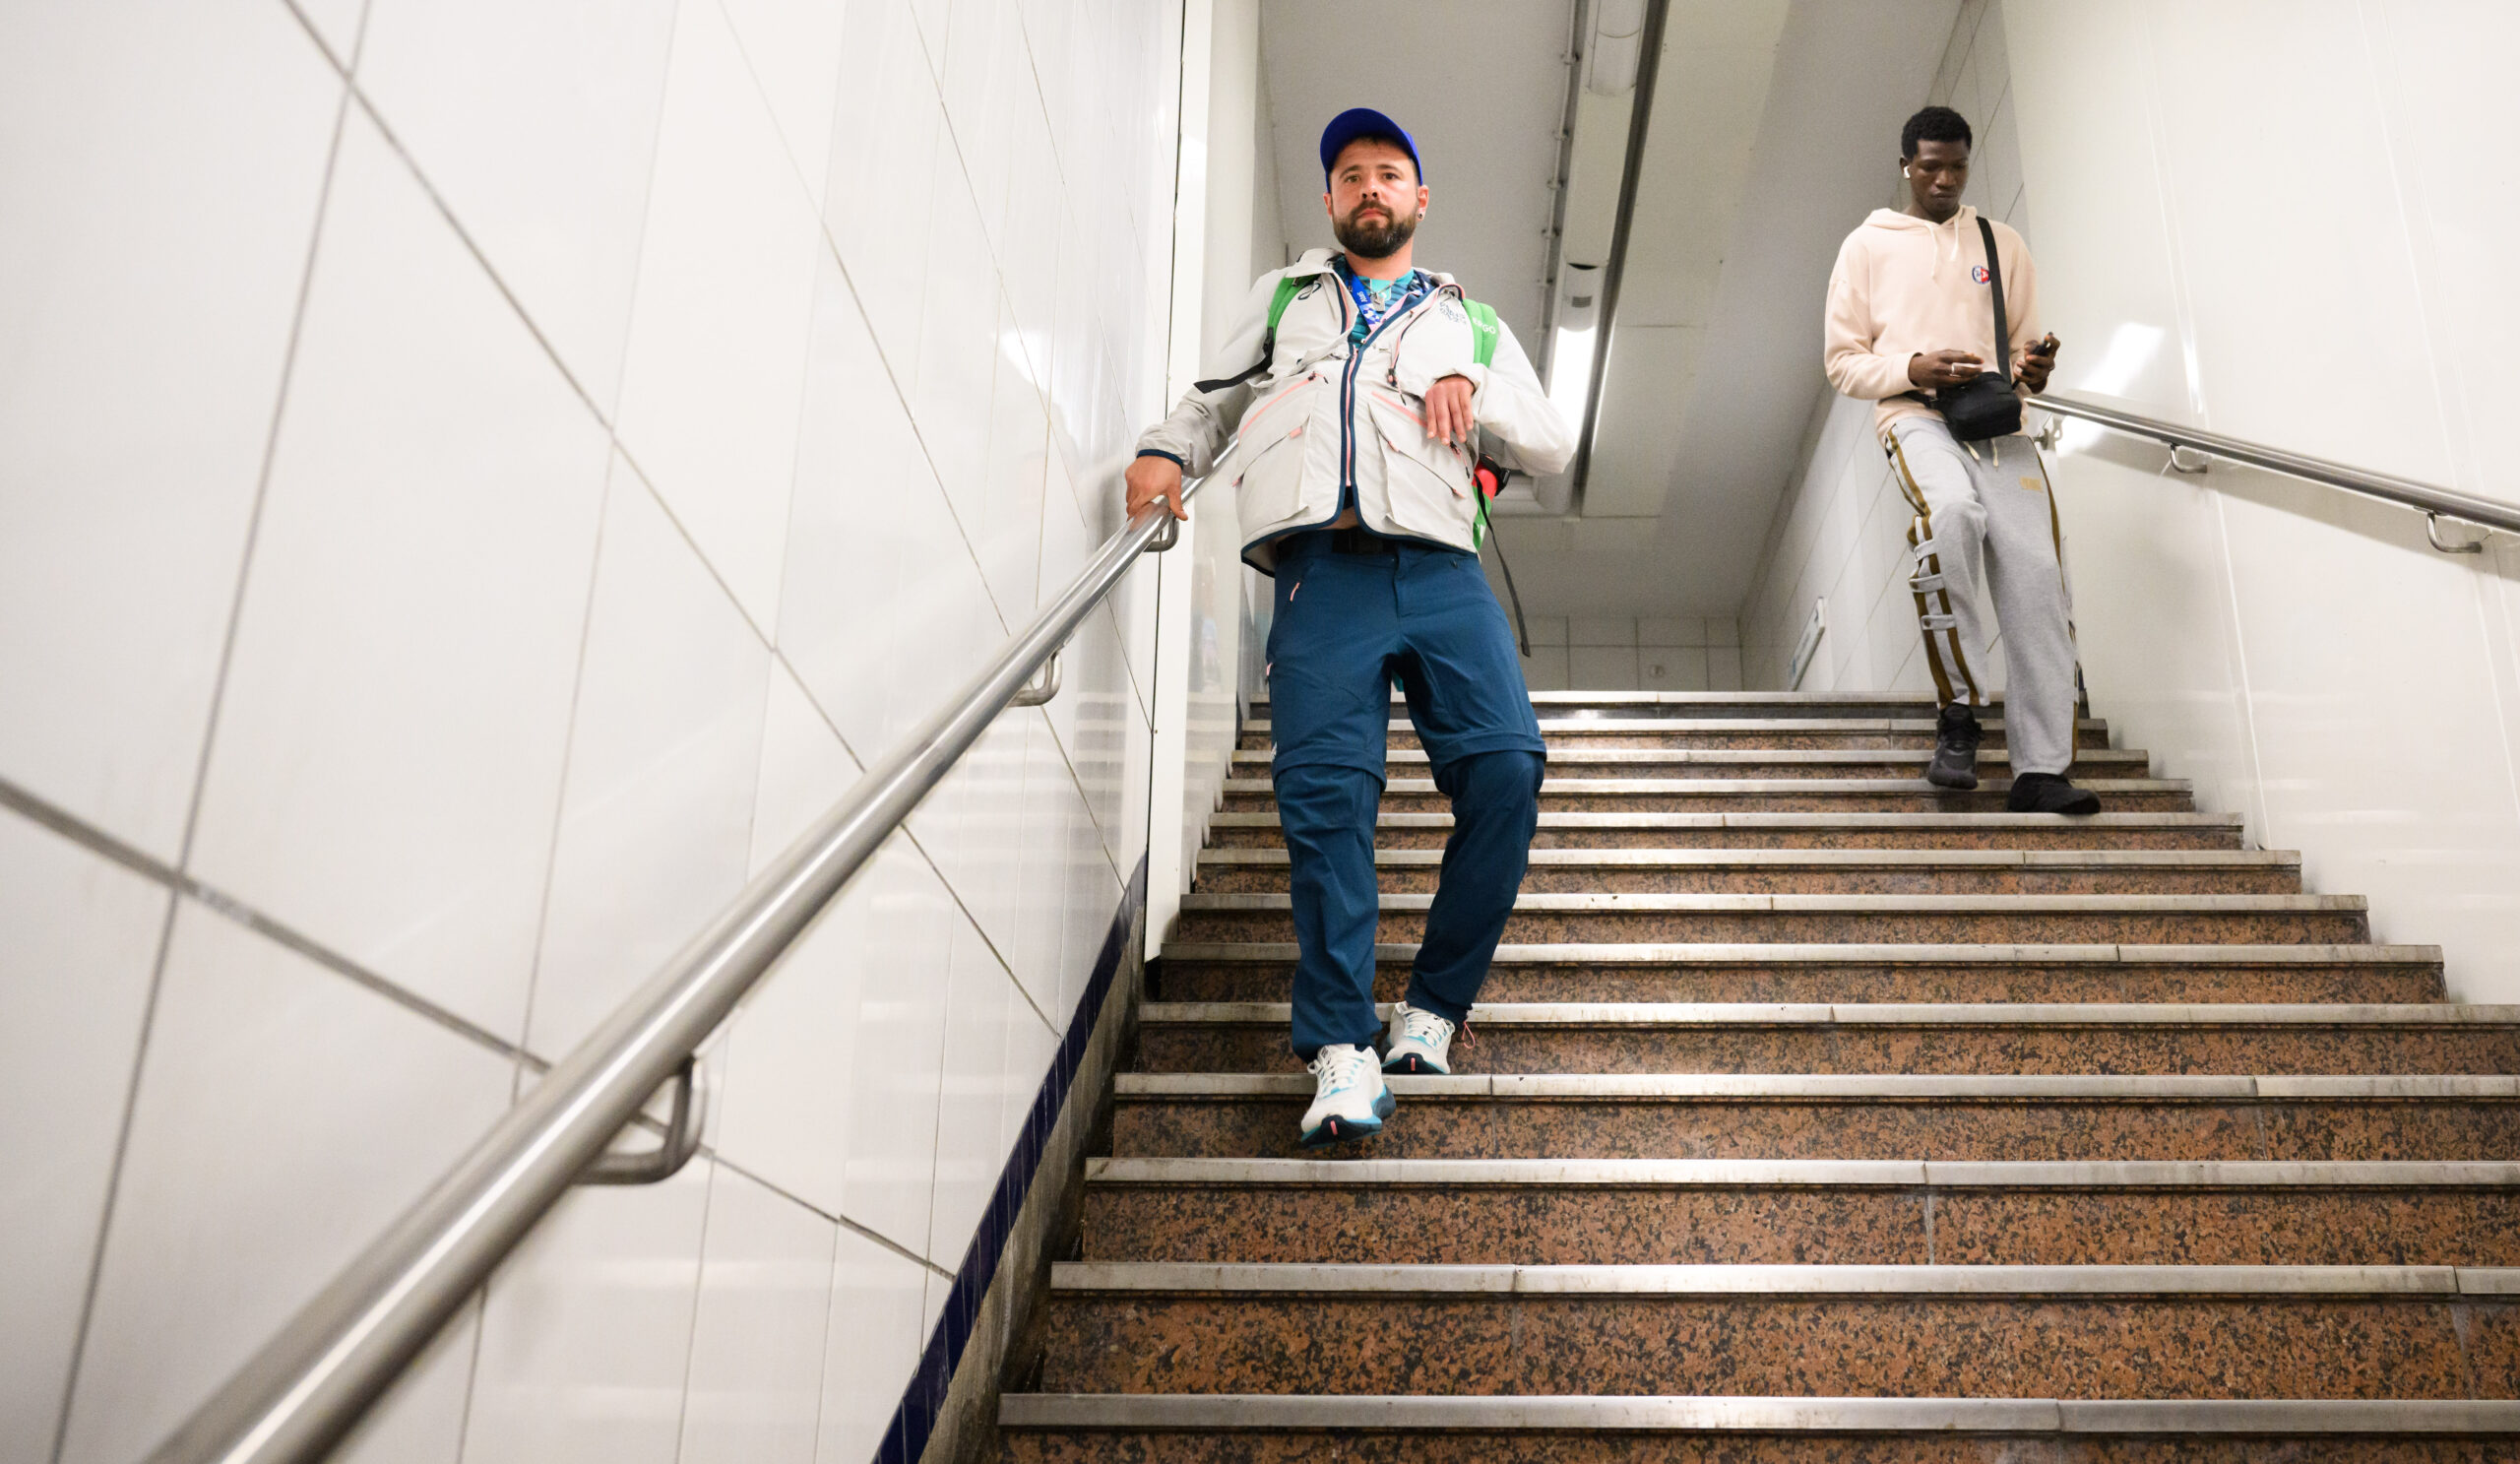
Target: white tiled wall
point(474, 482)
point(2304, 655)
point(1592, 654)
point(1840, 533)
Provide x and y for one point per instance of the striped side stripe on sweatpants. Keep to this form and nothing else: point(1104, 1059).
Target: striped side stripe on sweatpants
point(1986, 518)
point(1935, 618)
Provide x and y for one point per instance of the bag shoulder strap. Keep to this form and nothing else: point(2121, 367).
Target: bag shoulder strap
point(1288, 287)
point(1996, 285)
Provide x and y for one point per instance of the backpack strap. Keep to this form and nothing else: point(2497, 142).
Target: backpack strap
point(1288, 287)
point(1484, 330)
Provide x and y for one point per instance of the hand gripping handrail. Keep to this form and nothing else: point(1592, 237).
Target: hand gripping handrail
point(297, 1396)
point(2436, 503)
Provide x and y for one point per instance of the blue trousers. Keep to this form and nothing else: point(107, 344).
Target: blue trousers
point(1346, 627)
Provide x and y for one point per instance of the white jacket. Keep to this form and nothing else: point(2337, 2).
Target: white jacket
point(1319, 412)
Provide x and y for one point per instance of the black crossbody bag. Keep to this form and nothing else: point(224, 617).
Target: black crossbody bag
point(1984, 406)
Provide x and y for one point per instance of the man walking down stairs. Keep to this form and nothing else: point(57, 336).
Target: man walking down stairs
point(1814, 1114)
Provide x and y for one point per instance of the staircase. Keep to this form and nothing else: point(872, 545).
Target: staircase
point(1813, 1113)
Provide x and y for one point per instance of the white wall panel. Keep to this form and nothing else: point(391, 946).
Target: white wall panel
point(981, 1006)
point(1029, 258)
point(284, 1116)
point(388, 758)
point(2441, 71)
point(783, 1111)
point(585, 1332)
point(895, 1062)
point(542, 149)
point(979, 71)
point(756, 1379)
point(958, 351)
point(1094, 892)
point(793, 47)
point(1005, 525)
point(885, 134)
point(656, 818)
point(337, 23)
point(1050, 803)
point(867, 508)
point(139, 383)
point(2431, 836)
point(79, 947)
point(716, 358)
point(871, 1346)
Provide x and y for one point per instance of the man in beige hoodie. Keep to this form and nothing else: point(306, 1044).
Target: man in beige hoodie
point(1912, 313)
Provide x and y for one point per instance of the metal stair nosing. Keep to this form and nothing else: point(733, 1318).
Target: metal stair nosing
point(2203, 1417)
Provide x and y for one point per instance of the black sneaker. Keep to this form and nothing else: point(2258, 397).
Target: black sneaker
point(1955, 750)
point(2049, 792)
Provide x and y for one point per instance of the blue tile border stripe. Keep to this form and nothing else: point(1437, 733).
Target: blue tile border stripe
point(924, 1398)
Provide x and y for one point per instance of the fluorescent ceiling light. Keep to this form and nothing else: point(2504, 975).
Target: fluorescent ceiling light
point(1617, 44)
point(1570, 372)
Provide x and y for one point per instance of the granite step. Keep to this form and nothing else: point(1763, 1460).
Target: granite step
point(1835, 762)
point(1847, 871)
point(2253, 919)
point(1749, 796)
point(1992, 829)
point(2291, 1039)
point(1193, 1429)
point(1797, 1080)
point(1825, 973)
point(1579, 733)
point(2239, 1332)
point(1801, 1212)
point(1794, 1116)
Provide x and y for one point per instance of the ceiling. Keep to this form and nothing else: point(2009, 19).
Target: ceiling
point(1480, 85)
point(1774, 130)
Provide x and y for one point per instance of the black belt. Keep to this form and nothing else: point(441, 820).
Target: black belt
point(1349, 541)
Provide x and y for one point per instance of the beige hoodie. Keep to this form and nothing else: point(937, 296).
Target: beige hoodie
point(1904, 287)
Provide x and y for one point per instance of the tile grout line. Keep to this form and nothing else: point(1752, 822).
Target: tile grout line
point(568, 759)
point(201, 771)
point(182, 886)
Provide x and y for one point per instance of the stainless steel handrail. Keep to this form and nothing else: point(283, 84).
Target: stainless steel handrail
point(2406, 493)
point(297, 1396)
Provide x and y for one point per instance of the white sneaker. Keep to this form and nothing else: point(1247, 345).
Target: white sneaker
point(1348, 1098)
point(1420, 1042)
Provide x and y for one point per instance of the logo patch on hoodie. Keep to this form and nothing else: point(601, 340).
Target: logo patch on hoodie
point(1978, 276)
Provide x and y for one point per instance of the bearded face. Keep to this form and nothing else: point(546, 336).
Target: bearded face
point(1370, 230)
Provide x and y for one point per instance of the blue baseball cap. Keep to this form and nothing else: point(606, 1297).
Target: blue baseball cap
point(1363, 121)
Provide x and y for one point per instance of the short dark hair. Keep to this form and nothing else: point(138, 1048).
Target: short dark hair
point(1934, 124)
point(1388, 141)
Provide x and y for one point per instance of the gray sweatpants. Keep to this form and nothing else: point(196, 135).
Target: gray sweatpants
point(1984, 512)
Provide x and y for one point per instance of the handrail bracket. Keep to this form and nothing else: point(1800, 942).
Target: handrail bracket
point(1040, 688)
point(2432, 532)
point(683, 1127)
